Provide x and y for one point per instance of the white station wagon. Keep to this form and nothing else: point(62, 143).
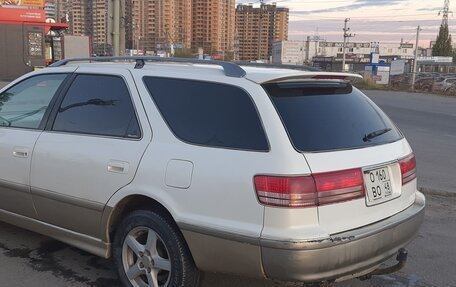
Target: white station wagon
point(175, 166)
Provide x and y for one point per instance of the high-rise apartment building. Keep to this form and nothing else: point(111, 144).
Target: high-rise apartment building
point(153, 25)
point(58, 10)
point(258, 28)
point(158, 24)
point(98, 26)
point(213, 25)
point(50, 8)
point(91, 18)
point(79, 17)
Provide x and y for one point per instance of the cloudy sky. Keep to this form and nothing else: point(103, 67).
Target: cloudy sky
point(371, 20)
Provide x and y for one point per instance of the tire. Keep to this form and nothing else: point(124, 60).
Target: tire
point(149, 247)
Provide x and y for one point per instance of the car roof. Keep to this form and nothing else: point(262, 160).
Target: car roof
point(260, 75)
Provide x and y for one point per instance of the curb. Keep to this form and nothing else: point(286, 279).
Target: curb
point(432, 191)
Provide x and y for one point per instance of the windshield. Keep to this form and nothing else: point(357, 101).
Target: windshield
point(329, 116)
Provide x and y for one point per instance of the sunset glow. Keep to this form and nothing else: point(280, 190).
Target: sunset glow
point(371, 20)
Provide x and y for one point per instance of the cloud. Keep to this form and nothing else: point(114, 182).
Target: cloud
point(436, 9)
point(358, 4)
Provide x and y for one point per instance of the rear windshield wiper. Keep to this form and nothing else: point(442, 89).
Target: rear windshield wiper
point(368, 137)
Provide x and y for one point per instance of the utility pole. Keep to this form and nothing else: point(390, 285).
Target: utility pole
point(116, 28)
point(415, 62)
point(259, 29)
point(346, 37)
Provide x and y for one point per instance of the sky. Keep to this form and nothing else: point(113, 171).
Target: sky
point(371, 20)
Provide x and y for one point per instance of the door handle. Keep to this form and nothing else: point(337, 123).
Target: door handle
point(20, 152)
point(118, 167)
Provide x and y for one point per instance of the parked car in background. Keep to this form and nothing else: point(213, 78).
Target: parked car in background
point(450, 91)
point(442, 83)
point(175, 166)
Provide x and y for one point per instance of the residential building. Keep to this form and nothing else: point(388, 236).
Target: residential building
point(50, 8)
point(79, 17)
point(58, 10)
point(213, 25)
point(258, 28)
point(90, 18)
point(157, 24)
point(98, 26)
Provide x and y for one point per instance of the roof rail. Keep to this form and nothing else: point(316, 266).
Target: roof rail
point(230, 69)
point(280, 66)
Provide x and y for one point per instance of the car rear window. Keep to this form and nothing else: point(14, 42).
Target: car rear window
point(325, 116)
point(208, 114)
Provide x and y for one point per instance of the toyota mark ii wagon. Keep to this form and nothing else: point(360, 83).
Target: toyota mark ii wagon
point(174, 166)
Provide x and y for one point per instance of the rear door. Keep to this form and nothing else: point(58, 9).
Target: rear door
point(345, 137)
point(91, 148)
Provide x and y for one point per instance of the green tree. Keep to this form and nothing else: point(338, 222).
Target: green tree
point(183, 53)
point(443, 46)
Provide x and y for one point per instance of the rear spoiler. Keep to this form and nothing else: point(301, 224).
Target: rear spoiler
point(308, 76)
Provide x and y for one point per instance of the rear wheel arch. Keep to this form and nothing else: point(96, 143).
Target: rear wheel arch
point(130, 204)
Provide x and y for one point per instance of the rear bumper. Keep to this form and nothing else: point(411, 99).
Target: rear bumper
point(345, 254)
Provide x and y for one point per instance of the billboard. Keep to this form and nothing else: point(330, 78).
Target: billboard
point(22, 15)
point(30, 3)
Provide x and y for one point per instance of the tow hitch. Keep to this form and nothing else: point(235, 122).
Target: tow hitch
point(401, 260)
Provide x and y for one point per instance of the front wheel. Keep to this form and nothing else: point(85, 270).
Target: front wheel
point(149, 251)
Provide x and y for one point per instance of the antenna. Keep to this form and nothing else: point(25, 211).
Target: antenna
point(445, 12)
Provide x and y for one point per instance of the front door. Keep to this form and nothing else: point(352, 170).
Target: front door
point(90, 149)
point(22, 117)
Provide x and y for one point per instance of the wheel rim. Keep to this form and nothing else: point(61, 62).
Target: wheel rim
point(146, 259)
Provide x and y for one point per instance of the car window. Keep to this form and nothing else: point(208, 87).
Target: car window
point(98, 105)
point(208, 114)
point(24, 105)
point(330, 116)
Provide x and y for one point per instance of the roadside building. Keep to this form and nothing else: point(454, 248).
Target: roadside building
point(258, 28)
point(329, 55)
point(436, 65)
point(25, 38)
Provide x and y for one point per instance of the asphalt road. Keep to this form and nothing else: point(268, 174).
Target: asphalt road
point(429, 122)
point(29, 259)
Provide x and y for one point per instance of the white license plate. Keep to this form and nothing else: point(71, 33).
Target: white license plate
point(378, 185)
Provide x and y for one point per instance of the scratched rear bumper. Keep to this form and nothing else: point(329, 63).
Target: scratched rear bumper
point(344, 254)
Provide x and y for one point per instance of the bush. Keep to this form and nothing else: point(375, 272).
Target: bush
point(368, 84)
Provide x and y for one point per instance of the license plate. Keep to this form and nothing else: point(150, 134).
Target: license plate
point(378, 185)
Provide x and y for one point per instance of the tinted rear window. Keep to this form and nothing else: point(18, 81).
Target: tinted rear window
point(330, 116)
point(209, 114)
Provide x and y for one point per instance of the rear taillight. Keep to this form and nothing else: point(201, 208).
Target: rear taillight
point(286, 191)
point(305, 191)
point(339, 186)
point(408, 168)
